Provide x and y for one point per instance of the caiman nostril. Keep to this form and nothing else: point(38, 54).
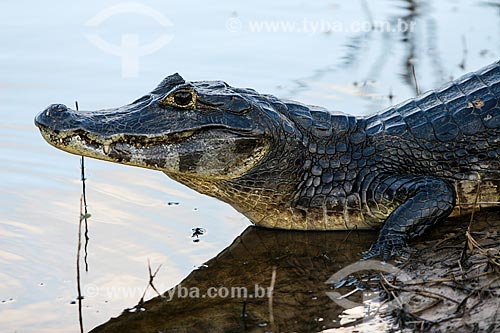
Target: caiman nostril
point(52, 114)
point(57, 108)
point(54, 108)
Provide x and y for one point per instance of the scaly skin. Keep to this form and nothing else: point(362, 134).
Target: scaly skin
point(291, 166)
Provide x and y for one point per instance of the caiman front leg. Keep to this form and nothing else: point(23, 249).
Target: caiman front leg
point(421, 202)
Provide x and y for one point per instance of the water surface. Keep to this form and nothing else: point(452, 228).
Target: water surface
point(46, 58)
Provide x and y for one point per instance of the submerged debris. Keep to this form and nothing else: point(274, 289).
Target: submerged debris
point(197, 232)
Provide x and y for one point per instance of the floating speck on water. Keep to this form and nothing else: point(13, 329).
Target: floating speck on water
point(264, 324)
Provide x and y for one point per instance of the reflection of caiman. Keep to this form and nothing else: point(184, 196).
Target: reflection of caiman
point(229, 293)
point(300, 302)
point(291, 166)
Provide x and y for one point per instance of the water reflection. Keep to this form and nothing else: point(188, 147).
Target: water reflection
point(424, 34)
point(409, 39)
point(303, 261)
point(132, 220)
point(437, 281)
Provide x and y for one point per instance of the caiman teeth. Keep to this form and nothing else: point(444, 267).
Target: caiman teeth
point(106, 148)
point(140, 142)
point(183, 135)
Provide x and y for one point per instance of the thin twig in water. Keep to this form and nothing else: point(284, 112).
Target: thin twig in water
point(84, 215)
point(347, 236)
point(150, 284)
point(84, 195)
point(464, 53)
point(152, 277)
point(78, 285)
point(417, 91)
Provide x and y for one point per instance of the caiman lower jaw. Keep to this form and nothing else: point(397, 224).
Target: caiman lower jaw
point(81, 143)
point(206, 153)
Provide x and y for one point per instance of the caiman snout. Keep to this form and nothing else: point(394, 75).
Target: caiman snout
point(54, 113)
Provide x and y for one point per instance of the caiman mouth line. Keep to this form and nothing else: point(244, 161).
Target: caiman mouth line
point(64, 138)
point(67, 138)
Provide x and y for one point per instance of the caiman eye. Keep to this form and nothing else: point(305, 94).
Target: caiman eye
point(183, 98)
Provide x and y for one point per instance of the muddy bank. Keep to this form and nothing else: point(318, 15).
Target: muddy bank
point(456, 286)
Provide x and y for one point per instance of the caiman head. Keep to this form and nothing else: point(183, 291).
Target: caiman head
point(229, 143)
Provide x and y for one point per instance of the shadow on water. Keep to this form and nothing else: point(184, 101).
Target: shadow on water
point(302, 262)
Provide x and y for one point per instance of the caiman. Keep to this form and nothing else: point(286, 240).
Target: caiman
point(287, 165)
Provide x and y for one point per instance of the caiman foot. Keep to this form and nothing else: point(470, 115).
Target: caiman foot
point(388, 247)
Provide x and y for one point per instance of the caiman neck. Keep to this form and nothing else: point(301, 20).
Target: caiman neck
point(332, 161)
point(266, 190)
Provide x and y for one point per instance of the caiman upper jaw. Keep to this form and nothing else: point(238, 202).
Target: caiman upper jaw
point(61, 126)
point(177, 142)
